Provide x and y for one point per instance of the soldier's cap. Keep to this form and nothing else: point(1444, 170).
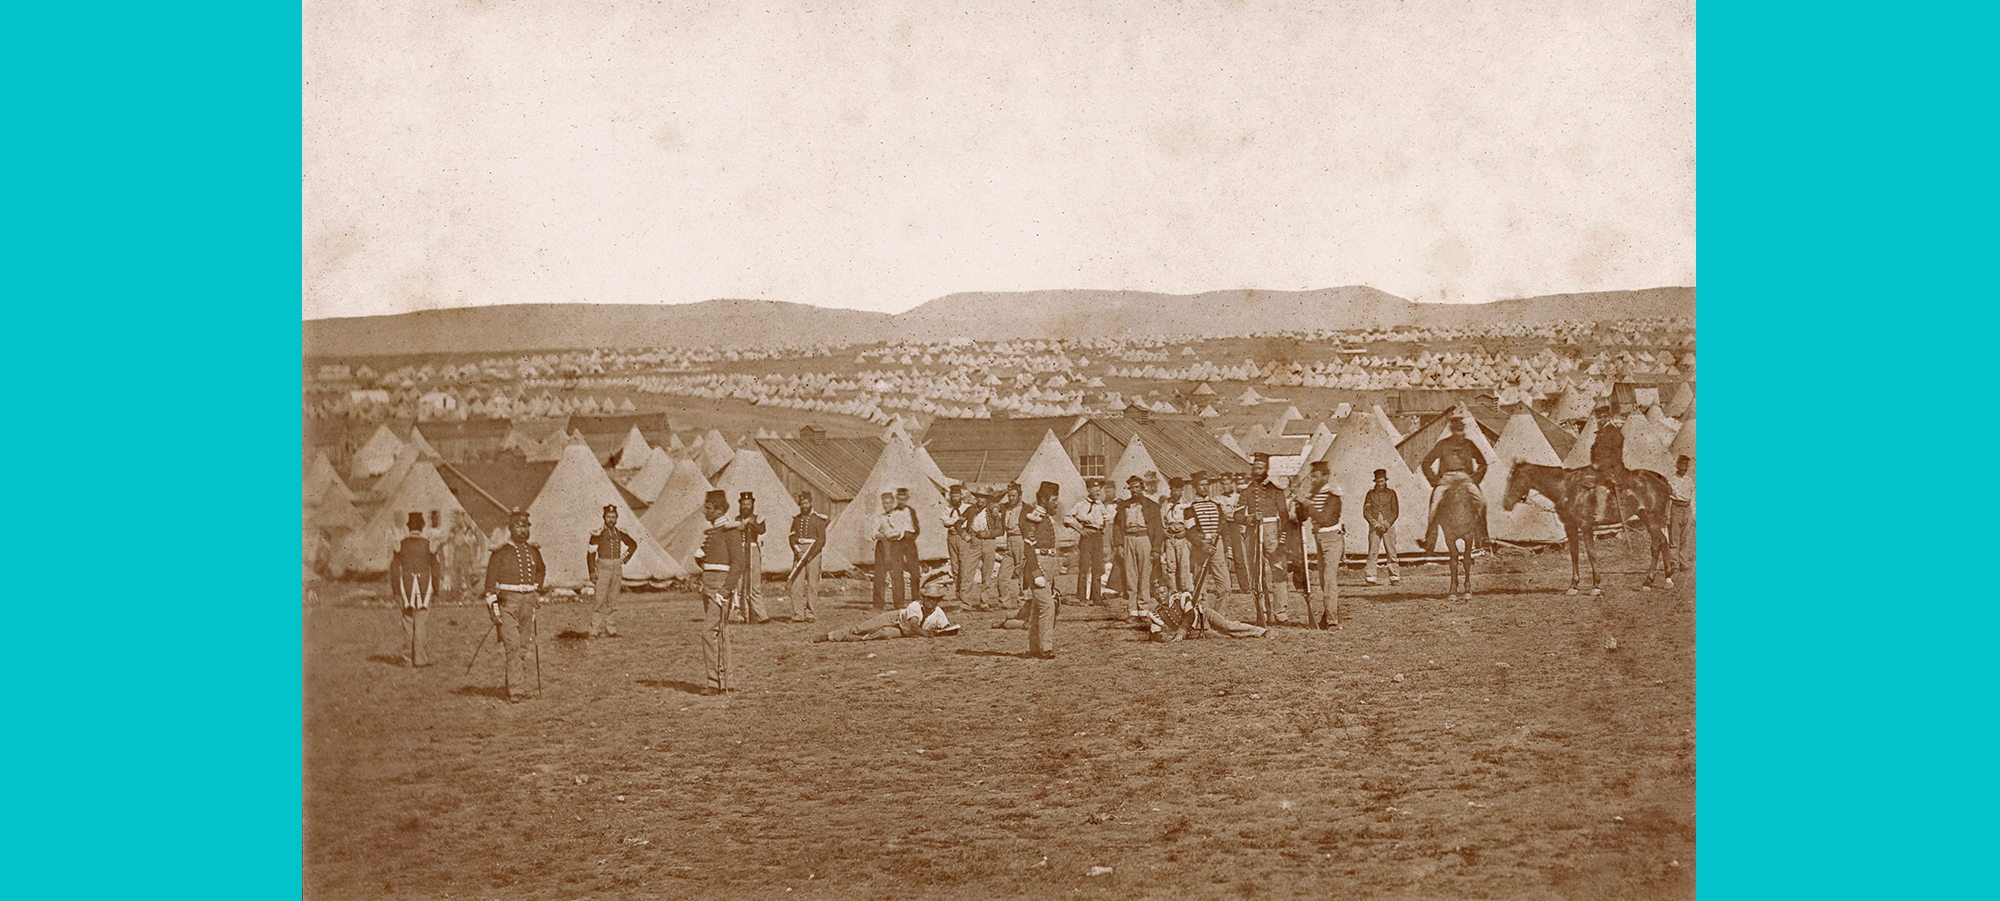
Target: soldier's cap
point(416, 520)
point(805, 495)
point(1013, 486)
point(1381, 474)
point(1135, 480)
point(1049, 488)
point(517, 515)
point(1457, 424)
point(716, 496)
point(610, 508)
point(746, 496)
point(1201, 477)
point(1176, 481)
point(1260, 457)
point(1319, 466)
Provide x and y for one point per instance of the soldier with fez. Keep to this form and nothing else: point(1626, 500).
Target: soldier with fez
point(610, 549)
point(720, 545)
point(515, 578)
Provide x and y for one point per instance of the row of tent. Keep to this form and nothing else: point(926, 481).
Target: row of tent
point(659, 491)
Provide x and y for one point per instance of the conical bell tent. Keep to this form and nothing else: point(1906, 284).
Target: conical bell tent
point(571, 506)
point(850, 537)
point(1520, 441)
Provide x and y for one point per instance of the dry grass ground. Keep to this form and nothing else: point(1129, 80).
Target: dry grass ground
point(1389, 759)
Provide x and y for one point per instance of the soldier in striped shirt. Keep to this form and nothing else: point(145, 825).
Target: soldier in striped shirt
point(1322, 513)
point(1206, 516)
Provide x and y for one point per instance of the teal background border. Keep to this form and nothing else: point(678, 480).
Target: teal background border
point(153, 670)
point(1847, 195)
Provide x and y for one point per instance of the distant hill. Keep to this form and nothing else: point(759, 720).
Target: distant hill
point(565, 326)
point(984, 316)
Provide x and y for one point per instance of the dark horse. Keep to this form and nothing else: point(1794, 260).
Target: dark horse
point(1458, 519)
point(1645, 493)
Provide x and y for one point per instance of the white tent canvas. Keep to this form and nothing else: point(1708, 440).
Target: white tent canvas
point(751, 472)
point(636, 451)
point(1357, 451)
point(321, 480)
point(1050, 463)
point(1579, 453)
point(1520, 441)
point(1135, 461)
point(571, 506)
point(386, 483)
point(930, 468)
point(375, 457)
point(1388, 426)
point(652, 476)
point(1322, 439)
point(332, 512)
point(1683, 445)
point(422, 490)
point(713, 454)
point(1646, 446)
point(680, 498)
point(850, 537)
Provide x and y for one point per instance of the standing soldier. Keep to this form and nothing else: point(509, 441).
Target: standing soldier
point(1014, 562)
point(1380, 509)
point(1138, 532)
point(514, 582)
point(610, 549)
point(1089, 518)
point(1234, 522)
point(1040, 523)
point(413, 580)
point(1322, 510)
point(886, 566)
point(1454, 461)
point(749, 564)
point(808, 539)
point(1205, 517)
point(717, 558)
point(985, 526)
point(906, 552)
point(1680, 512)
point(1268, 517)
point(962, 547)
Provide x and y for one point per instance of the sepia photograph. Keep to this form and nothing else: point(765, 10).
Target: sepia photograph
point(901, 450)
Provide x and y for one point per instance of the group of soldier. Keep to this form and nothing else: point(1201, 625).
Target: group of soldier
point(1188, 546)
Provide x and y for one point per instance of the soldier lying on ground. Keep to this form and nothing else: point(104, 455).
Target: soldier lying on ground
point(921, 618)
point(1180, 617)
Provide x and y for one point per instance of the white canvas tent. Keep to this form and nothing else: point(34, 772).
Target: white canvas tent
point(321, 479)
point(850, 537)
point(1357, 451)
point(1050, 463)
point(1579, 453)
point(636, 451)
point(674, 516)
point(1521, 440)
point(571, 506)
point(423, 446)
point(652, 475)
point(1646, 446)
point(1135, 461)
point(713, 454)
point(375, 457)
point(930, 468)
point(1683, 445)
point(751, 472)
point(422, 490)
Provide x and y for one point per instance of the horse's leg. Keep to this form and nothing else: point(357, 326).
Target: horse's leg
point(1575, 569)
point(1590, 551)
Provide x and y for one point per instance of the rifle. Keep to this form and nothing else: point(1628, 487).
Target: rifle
point(799, 565)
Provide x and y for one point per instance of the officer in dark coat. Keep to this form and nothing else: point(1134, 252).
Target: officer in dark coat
point(413, 580)
point(515, 578)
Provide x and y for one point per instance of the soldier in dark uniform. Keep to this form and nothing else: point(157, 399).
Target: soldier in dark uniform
point(413, 579)
point(1454, 461)
point(749, 562)
point(515, 578)
point(808, 540)
point(610, 548)
point(1607, 469)
point(1321, 510)
point(719, 547)
point(1039, 528)
point(1268, 517)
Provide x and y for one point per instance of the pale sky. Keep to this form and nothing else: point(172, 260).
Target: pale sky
point(877, 155)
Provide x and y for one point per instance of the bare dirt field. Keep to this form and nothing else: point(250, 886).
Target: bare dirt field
point(1391, 759)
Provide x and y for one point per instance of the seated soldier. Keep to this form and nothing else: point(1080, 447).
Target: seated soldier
point(921, 618)
point(1607, 470)
point(1455, 462)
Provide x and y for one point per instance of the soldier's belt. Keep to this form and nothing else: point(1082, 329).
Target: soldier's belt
point(715, 567)
point(517, 589)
